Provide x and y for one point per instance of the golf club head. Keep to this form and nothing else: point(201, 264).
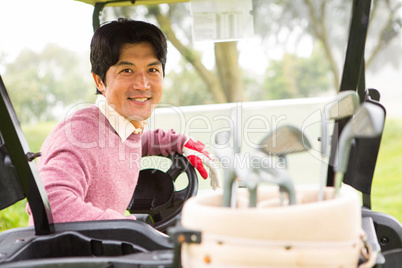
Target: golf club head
point(283, 180)
point(344, 105)
point(249, 174)
point(368, 121)
point(253, 176)
point(223, 150)
point(285, 140)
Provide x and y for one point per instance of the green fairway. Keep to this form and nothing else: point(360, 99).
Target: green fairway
point(36, 134)
point(386, 191)
point(387, 186)
point(15, 216)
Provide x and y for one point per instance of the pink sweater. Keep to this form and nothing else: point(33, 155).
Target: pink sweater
point(89, 173)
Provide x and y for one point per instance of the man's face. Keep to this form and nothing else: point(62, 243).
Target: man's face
point(134, 84)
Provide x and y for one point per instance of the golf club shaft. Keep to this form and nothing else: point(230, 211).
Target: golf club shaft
point(252, 197)
point(338, 182)
point(233, 201)
point(324, 155)
point(323, 178)
point(228, 189)
point(281, 198)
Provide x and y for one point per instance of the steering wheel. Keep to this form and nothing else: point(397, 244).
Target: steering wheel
point(156, 196)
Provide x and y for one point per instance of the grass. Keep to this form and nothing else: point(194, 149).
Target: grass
point(387, 185)
point(15, 216)
point(386, 190)
point(36, 134)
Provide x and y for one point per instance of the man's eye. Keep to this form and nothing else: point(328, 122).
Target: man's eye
point(127, 71)
point(153, 70)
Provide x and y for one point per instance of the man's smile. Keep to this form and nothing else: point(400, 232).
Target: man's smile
point(142, 99)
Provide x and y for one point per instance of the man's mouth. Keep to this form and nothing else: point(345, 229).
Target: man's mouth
point(139, 99)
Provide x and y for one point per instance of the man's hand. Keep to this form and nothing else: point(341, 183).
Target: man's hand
point(198, 157)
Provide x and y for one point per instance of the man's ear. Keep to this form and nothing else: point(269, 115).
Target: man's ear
point(99, 83)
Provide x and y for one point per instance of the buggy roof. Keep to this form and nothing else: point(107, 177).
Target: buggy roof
point(130, 2)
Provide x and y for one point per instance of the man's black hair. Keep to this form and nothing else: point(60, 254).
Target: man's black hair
point(108, 40)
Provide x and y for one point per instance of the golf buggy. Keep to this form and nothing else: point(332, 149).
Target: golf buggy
point(251, 226)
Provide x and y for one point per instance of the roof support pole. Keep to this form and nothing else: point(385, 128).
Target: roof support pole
point(98, 7)
point(353, 77)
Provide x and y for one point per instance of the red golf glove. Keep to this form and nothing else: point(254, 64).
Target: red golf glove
point(199, 157)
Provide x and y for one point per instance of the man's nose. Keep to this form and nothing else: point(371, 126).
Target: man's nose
point(141, 81)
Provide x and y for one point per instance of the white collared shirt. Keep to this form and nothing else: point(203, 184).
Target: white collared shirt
point(120, 124)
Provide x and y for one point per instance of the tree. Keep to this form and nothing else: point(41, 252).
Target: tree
point(284, 23)
point(289, 23)
point(327, 22)
point(40, 82)
point(225, 84)
point(387, 30)
point(184, 87)
point(296, 77)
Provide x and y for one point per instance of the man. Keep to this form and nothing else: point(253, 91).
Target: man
point(90, 162)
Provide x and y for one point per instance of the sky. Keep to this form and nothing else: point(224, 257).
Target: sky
point(33, 24)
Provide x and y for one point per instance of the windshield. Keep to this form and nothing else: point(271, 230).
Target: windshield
point(289, 63)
